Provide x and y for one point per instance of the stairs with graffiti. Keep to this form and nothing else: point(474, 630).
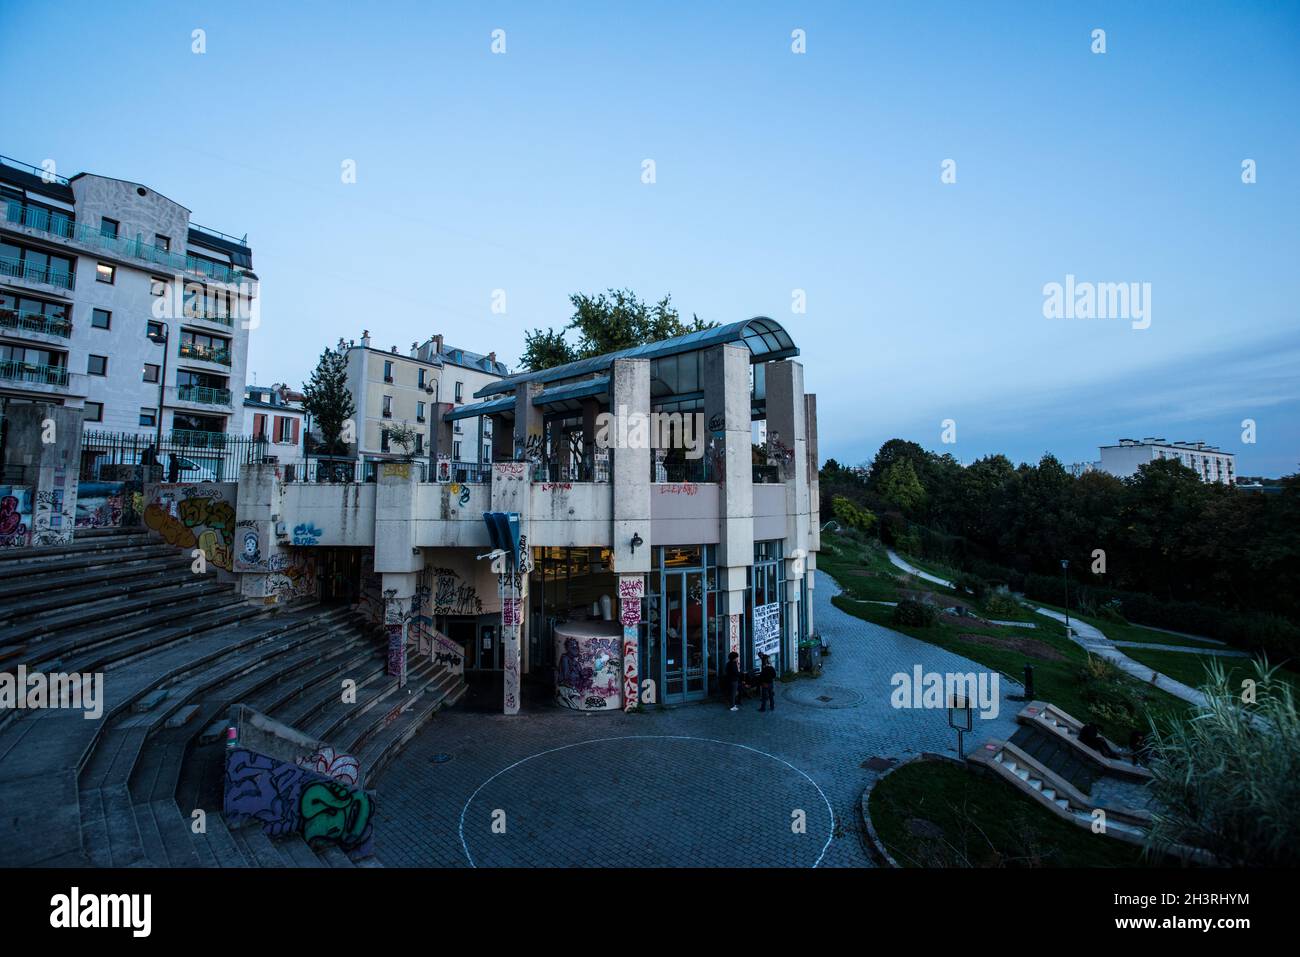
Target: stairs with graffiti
point(172, 653)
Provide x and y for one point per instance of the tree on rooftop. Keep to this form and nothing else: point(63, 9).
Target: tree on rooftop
point(328, 400)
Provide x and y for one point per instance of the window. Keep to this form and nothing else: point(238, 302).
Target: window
point(420, 379)
point(97, 365)
point(388, 371)
point(455, 451)
point(383, 440)
point(460, 392)
point(100, 318)
point(151, 372)
point(419, 412)
point(105, 273)
point(149, 417)
point(419, 441)
point(286, 428)
point(154, 330)
point(487, 454)
point(108, 227)
point(94, 412)
point(162, 242)
point(388, 407)
point(157, 287)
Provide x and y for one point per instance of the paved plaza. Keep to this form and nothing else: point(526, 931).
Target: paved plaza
point(696, 785)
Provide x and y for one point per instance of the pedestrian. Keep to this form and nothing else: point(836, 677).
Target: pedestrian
point(733, 680)
point(1090, 735)
point(1139, 747)
point(766, 685)
point(173, 468)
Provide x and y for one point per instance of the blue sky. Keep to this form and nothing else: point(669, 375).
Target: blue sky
point(775, 172)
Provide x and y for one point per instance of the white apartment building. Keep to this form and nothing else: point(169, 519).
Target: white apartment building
point(274, 413)
point(113, 301)
point(419, 389)
point(1208, 461)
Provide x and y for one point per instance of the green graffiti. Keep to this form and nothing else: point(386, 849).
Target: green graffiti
point(334, 813)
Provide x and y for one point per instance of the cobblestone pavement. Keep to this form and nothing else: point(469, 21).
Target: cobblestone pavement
point(695, 786)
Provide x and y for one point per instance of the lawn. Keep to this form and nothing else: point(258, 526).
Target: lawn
point(933, 814)
point(1190, 668)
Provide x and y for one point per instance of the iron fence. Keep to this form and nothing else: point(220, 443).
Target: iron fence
point(183, 456)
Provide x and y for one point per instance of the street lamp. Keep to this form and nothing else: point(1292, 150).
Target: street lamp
point(160, 339)
point(1065, 576)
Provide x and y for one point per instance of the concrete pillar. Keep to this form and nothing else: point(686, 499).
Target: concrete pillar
point(590, 409)
point(440, 433)
point(631, 590)
point(262, 532)
point(631, 467)
point(512, 492)
point(787, 434)
point(43, 454)
point(395, 500)
point(814, 503)
point(528, 437)
point(400, 606)
point(727, 420)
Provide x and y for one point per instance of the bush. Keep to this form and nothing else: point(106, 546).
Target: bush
point(971, 584)
point(914, 613)
point(1001, 603)
point(1112, 611)
point(1110, 701)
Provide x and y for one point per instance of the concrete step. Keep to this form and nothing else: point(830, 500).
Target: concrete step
point(333, 856)
point(12, 572)
point(218, 846)
point(257, 846)
point(84, 546)
point(65, 587)
point(294, 852)
point(383, 747)
point(323, 703)
point(359, 728)
point(98, 594)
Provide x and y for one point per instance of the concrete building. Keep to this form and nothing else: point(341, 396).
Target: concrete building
point(113, 301)
point(415, 389)
point(1208, 461)
point(275, 413)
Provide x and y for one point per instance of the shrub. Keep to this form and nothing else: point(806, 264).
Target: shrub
point(1001, 603)
point(1109, 699)
point(914, 613)
point(1112, 611)
point(851, 516)
point(971, 584)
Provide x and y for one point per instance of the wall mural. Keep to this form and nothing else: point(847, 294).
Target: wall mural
point(454, 596)
point(589, 673)
point(343, 768)
point(15, 516)
point(288, 799)
point(190, 516)
point(100, 504)
point(53, 522)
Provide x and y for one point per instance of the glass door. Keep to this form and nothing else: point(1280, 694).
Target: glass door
point(684, 636)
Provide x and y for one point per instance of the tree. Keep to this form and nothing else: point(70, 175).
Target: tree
point(900, 486)
point(404, 436)
point(850, 516)
point(607, 322)
point(328, 400)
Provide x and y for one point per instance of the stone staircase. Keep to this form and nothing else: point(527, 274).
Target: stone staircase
point(177, 651)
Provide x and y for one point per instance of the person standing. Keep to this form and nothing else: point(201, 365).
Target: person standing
point(766, 685)
point(733, 680)
point(173, 468)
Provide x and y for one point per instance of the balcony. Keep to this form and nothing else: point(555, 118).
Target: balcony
point(61, 226)
point(202, 394)
point(17, 371)
point(32, 273)
point(192, 350)
point(35, 322)
point(190, 438)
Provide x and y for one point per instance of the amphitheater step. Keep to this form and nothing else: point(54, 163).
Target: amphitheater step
point(334, 856)
point(257, 847)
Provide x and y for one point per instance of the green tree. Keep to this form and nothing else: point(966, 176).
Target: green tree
point(899, 486)
point(546, 349)
point(851, 516)
point(327, 398)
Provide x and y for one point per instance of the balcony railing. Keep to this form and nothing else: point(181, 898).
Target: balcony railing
point(681, 470)
point(199, 393)
point(189, 312)
point(193, 350)
point(61, 225)
point(33, 273)
point(16, 370)
point(191, 438)
point(35, 322)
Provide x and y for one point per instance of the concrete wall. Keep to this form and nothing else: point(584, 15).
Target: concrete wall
point(330, 514)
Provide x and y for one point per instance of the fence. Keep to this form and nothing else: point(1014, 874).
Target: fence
point(199, 456)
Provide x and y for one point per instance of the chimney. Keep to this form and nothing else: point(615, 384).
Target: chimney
point(492, 359)
point(437, 345)
point(415, 350)
point(365, 338)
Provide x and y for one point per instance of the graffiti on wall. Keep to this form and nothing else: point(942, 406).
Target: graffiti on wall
point(100, 504)
point(589, 673)
point(343, 768)
point(288, 799)
point(453, 596)
point(190, 516)
point(629, 668)
point(306, 533)
point(15, 516)
point(767, 630)
point(52, 524)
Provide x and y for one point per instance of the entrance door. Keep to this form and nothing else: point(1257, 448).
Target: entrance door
point(684, 637)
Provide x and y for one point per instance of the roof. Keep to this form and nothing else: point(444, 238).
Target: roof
point(764, 337)
point(473, 409)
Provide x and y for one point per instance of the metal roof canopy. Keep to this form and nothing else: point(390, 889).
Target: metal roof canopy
point(490, 407)
point(764, 337)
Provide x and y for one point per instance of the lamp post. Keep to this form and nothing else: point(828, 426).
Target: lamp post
point(1065, 577)
point(161, 339)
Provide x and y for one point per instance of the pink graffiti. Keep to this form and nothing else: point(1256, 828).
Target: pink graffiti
point(678, 488)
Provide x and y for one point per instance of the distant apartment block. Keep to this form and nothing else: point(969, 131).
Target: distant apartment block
point(1208, 461)
point(418, 389)
point(113, 301)
point(274, 413)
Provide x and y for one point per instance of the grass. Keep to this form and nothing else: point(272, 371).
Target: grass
point(1190, 668)
point(981, 822)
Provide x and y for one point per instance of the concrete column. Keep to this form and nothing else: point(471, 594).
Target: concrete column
point(590, 409)
point(395, 500)
point(512, 492)
point(727, 420)
point(43, 451)
point(787, 434)
point(814, 503)
point(262, 532)
point(399, 609)
point(631, 590)
point(528, 437)
point(631, 468)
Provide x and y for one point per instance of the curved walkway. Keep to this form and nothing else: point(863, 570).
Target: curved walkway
point(1090, 638)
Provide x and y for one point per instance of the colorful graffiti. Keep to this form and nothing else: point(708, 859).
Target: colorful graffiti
point(588, 672)
point(630, 690)
point(52, 525)
point(288, 799)
point(15, 516)
point(195, 515)
point(100, 504)
point(343, 768)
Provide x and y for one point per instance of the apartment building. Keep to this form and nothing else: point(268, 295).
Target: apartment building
point(274, 413)
point(1210, 462)
point(113, 301)
point(416, 389)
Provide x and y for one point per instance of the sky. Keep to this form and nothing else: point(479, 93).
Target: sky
point(522, 172)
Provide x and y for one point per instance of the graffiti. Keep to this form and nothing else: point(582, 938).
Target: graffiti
point(100, 504)
point(343, 768)
point(677, 488)
point(510, 470)
point(767, 629)
point(292, 579)
point(534, 448)
point(250, 552)
point(629, 667)
point(447, 658)
point(15, 516)
point(195, 515)
point(717, 422)
point(595, 701)
point(306, 533)
point(288, 799)
point(510, 612)
point(451, 596)
point(396, 650)
point(464, 495)
point(397, 470)
point(734, 634)
point(588, 668)
point(525, 555)
point(557, 486)
point(631, 589)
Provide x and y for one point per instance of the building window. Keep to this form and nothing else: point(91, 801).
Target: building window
point(388, 371)
point(108, 227)
point(419, 412)
point(286, 428)
point(151, 372)
point(157, 287)
point(149, 417)
point(94, 412)
point(162, 242)
point(388, 407)
point(420, 381)
point(154, 330)
point(419, 442)
point(487, 454)
point(455, 451)
point(97, 365)
point(105, 273)
point(100, 318)
point(460, 392)
point(383, 440)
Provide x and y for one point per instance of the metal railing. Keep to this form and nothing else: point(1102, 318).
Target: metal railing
point(681, 470)
point(203, 394)
point(342, 471)
point(199, 456)
point(32, 273)
point(192, 350)
point(24, 321)
point(61, 225)
point(767, 475)
point(16, 370)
